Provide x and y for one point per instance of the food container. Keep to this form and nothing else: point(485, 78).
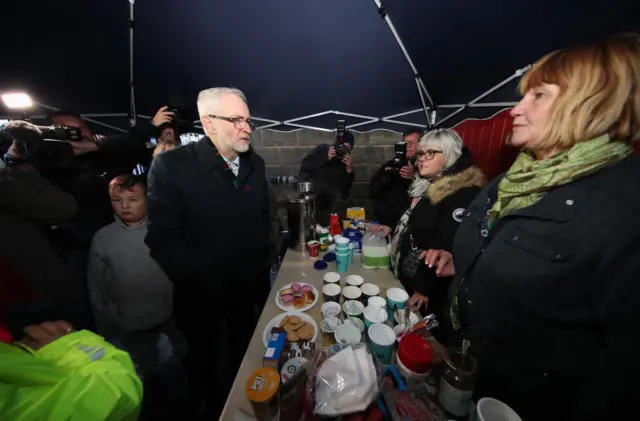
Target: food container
point(262, 391)
point(375, 253)
point(414, 360)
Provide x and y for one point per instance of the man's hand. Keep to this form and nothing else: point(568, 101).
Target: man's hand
point(332, 153)
point(418, 300)
point(162, 116)
point(407, 172)
point(348, 162)
point(81, 148)
point(442, 260)
point(37, 336)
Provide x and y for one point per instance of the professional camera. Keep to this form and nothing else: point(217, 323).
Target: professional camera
point(399, 156)
point(284, 179)
point(341, 148)
point(44, 147)
point(180, 121)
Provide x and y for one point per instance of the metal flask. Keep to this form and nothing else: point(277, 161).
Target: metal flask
point(302, 214)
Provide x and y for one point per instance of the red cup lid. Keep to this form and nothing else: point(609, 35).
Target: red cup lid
point(415, 353)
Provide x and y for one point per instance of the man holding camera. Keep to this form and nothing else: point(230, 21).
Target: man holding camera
point(389, 187)
point(331, 168)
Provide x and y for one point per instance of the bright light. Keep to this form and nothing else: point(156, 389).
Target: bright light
point(17, 100)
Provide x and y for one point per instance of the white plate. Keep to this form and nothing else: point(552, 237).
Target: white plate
point(285, 307)
point(275, 322)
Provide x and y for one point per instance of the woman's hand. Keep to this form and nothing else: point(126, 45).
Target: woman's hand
point(375, 229)
point(441, 259)
point(37, 336)
point(418, 300)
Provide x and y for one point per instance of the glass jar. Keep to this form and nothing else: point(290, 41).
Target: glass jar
point(457, 382)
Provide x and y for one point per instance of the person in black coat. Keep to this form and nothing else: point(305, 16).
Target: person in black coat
point(333, 176)
point(547, 259)
point(389, 187)
point(449, 182)
point(209, 230)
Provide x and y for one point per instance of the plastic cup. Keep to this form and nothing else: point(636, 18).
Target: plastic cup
point(314, 248)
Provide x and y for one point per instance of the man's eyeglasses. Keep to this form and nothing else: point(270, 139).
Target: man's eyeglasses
point(238, 122)
point(429, 154)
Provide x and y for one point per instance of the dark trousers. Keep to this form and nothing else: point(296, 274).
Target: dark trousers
point(218, 330)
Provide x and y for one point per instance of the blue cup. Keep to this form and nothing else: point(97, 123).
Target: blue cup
point(342, 262)
point(382, 339)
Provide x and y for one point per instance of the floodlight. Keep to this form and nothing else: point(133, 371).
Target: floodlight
point(17, 100)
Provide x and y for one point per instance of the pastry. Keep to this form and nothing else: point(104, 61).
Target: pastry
point(284, 321)
point(294, 320)
point(292, 337)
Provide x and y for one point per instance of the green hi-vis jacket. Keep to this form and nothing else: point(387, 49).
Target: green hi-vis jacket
point(77, 377)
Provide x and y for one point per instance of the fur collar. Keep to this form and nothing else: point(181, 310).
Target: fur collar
point(449, 184)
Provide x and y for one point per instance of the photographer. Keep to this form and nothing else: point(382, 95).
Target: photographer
point(331, 168)
point(390, 186)
point(29, 205)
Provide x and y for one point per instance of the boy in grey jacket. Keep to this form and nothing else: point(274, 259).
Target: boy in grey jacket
point(130, 294)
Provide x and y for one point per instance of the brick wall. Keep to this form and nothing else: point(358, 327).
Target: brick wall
point(283, 152)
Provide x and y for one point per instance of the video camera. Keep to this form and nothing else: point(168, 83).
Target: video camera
point(341, 148)
point(399, 155)
point(45, 147)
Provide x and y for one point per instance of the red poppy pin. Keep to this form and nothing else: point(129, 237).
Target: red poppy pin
point(247, 187)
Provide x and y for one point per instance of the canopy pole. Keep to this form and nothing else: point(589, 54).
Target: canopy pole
point(518, 73)
point(133, 117)
point(419, 82)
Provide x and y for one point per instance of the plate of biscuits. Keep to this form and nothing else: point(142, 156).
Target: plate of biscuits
point(300, 327)
point(297, 297)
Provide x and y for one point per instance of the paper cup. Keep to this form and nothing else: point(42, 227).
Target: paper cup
point(399, 331)
point(354, 321)
point(377, 302)
point(355, 280)
point(331, 278)
point(341, 241)
point(342, 262)
point(490, 409)
point(370, 290)
point(397, 298)
point(330, 309)
point(351, 293)
point(328, 328)
point(347, 335)
point(382, 340)
point(353, 308)
point(331, 292)
point(373, 315)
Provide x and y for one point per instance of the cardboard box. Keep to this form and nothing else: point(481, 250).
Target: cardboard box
point(274, 350)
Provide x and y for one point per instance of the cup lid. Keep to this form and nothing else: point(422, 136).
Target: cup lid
point(415, 353)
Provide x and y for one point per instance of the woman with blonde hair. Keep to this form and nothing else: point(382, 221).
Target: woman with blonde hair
point(547, 260)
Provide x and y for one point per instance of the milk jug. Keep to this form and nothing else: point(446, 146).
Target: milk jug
point(375, 252)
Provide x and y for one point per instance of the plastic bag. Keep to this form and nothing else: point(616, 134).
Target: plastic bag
point(343, 379)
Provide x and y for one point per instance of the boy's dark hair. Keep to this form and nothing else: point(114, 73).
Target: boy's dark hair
point(409, 131)
point(127, 182)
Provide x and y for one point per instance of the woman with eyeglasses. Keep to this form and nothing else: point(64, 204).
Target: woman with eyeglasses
point(445, 183)
point(547, 264)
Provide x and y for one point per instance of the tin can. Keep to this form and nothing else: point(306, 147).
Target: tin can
point(262, 391)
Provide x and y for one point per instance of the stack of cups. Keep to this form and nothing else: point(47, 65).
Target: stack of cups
point(342, 253)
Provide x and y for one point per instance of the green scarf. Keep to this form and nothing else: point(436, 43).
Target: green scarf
point(528, 179)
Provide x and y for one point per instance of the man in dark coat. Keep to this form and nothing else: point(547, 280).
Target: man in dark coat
point(333, 176)
point(209, 230)
point(389, 187)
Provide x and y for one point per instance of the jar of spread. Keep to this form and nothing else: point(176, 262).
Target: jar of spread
point(262, 391)
point(457, 383)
